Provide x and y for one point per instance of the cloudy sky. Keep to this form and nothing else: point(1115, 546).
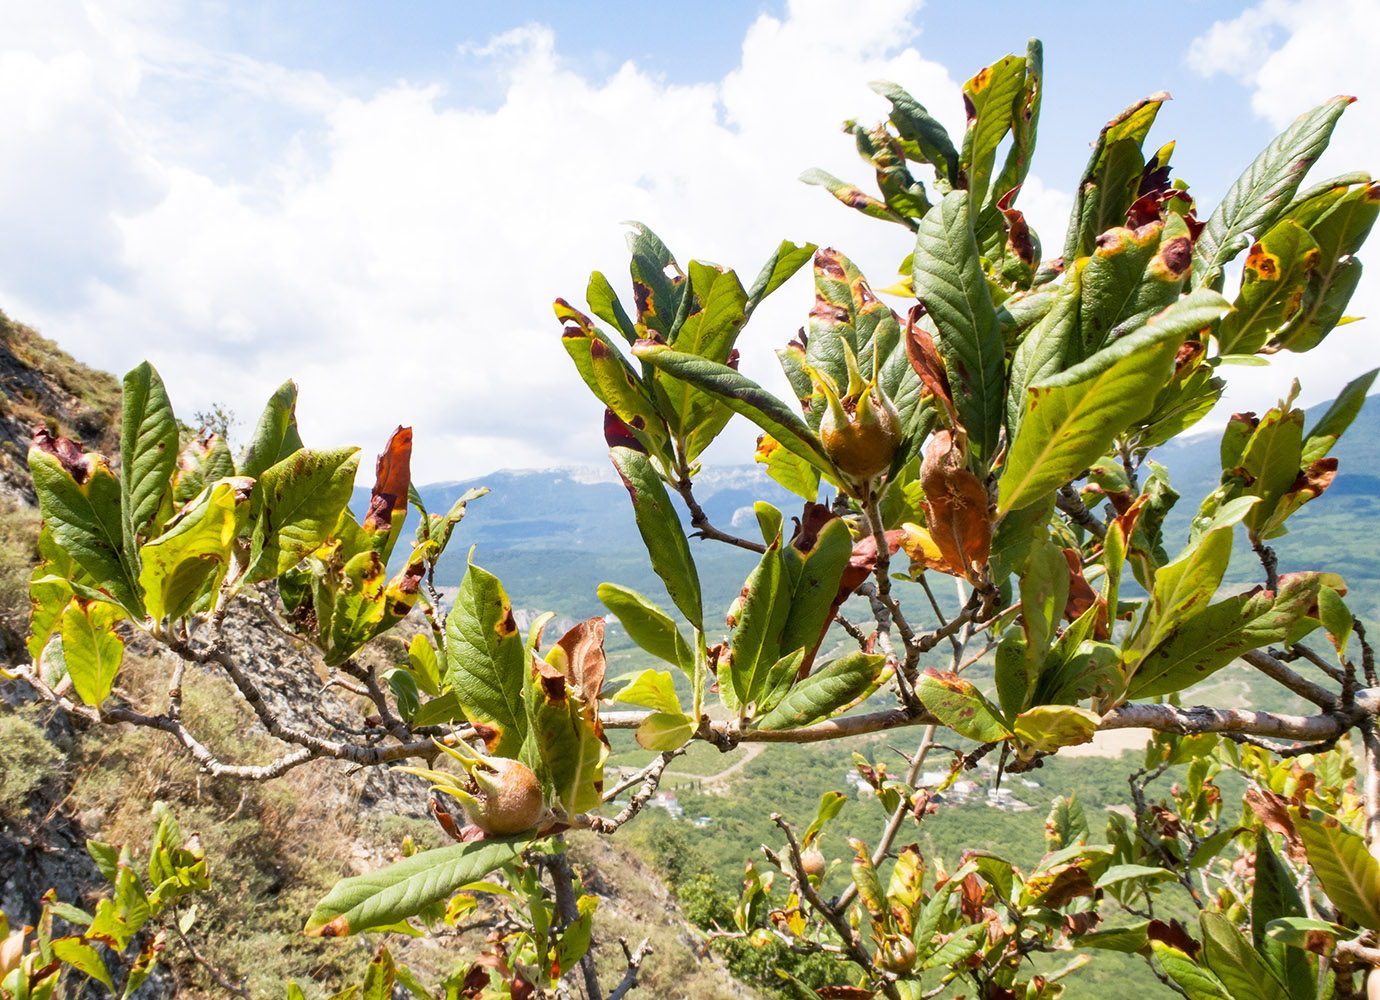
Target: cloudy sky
point(382, 200)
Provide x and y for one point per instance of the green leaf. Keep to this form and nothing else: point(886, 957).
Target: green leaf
point(275, 437)
point(661, 531)
point(1205, 642)
point(1239, 966)
point(787, 259)
point(1111, 178)
point(1332, 424)
point(92, 650)
point(485, 663)
point(1339, 233)
point(1131, 938)
point(1048, 348)
point(710, 330)
point(949, 281)
point(404, 889)
point(1336, 617)
point(608, 375)
point(742, 395)
point(787, 468)
point(759, 617)
point(665, 731)
point(424, 664)
point(603, 301)
point(296, 504)
point(652, 689)
point(84, 958)
point(48, 597)
point(1259, 196)
point(1296, 931)
point(1274, 897)
point(1071, 419)
point(954, 951)
point(148, 450)
point(854, 197)
point(1146, 874)
point(569, 752)
point(658, 284)
point(1025, 120)
point(830, 803)
point(990, 99)
point(833, 688)
point(1112, 282)
point(960, 706)
point(195, 547)
point(85, 521)
point(1277, 268)
point(1049, 727)
point(379, 977)
point(439, 711)
point(915, 125)
point(1195, 980)
point(1349, 874)
point(647, 625)
point(815, 574)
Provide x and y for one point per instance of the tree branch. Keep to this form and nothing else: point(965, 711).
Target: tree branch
point(1297, 683)
point(1072, 504)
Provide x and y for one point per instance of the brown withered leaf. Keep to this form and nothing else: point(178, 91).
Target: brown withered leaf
point(1018, 239)
point(1173, 934)
point(617, 434)
point(970, 897)
point(955, 507)
point(392, 476)
point(844, 993)
point(1082, 596)
point(1081, 923)
point(581, 658)
point(1316, 478)
point(65, 450)
point(924, 358)
point(1273, 812)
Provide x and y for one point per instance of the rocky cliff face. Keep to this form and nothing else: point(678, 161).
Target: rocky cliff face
point(274, 847)
point(41, 385)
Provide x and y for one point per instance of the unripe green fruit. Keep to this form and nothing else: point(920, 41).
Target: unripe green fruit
point(813, 861)
point(862, 443)
point(507, 797)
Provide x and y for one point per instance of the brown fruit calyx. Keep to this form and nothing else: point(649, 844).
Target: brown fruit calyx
point(897, 954)
point(812, 860)
point(861, 430)
point(500, 796)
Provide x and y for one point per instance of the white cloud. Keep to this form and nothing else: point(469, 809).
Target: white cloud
point(1293, 55)
point(396, 251)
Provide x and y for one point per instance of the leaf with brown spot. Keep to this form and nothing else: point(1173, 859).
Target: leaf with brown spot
point(960, 706)
point(485, 661)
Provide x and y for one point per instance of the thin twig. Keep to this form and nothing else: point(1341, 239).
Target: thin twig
point(1072, 504)
point(893, 826)
point(221, 979)
point(836, 917)
point(699, 520)
point(651, 778)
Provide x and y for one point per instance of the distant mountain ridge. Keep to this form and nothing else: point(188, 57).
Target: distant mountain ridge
point(552, 535)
